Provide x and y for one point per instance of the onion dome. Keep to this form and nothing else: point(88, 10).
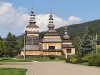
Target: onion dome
point(32, 17)
point(32, 20)
point(51, 25)
point(66, 34)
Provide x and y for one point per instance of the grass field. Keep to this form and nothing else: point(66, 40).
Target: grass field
point(12, 71)
point(13, 60)
point(28, 59)
point(44, 59)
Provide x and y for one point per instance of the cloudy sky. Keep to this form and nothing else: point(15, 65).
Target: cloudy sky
point(15, 14)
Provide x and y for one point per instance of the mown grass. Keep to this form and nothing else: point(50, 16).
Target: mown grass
point(12, 71)
point(45, 59)
point(13, 60)
point(41, 59)
point(86, 64)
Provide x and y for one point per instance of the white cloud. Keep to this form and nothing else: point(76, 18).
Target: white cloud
point(74, 20)
point(42, 21)
point(11, 19)
point(5, 7)
point(15, 20)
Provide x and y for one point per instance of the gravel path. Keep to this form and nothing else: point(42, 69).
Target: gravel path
point(54, 68)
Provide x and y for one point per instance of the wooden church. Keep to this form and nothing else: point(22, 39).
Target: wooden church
point(50, 44)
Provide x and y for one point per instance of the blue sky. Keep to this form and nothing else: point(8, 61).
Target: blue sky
point(14, 14)
point(86, 9)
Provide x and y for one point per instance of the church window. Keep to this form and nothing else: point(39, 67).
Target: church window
point(68, 50)
point(51, 47)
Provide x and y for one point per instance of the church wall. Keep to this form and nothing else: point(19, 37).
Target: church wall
point(52, 37)
point(32, 34)
point(41, 53)
point(33, 29)
point(65, 51)
point(52, 53)
point(72, 50)
point(46, 45)
point(67, 43)
point(31, 52)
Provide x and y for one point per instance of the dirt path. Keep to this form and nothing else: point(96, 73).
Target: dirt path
point(54, 68)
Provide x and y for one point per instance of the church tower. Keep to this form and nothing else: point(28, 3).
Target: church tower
point(52, 40)
point(32, 37)
point(32, 31)
point(67, 47)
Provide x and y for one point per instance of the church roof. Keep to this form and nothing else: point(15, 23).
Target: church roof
point(31, 47)
point(51, 33)
point(67, 40)
point(52, 40)
point(32, 25)
point(67, 46)
point(29, 32)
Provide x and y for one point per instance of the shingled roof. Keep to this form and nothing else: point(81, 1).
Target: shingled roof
point(67, 46)
point(32, 25)
point(52, 40)
point(31, 47)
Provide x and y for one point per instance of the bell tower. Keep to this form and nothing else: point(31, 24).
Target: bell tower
point(32, 31)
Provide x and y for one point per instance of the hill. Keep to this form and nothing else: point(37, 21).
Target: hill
point(78, 29)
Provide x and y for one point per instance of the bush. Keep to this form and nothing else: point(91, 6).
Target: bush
point(86, 58)
point(52, 57)
point(19, 57)
point(80, 60)
point(94, 60)
point(74, 60)
point(67, 60)
point(62, 58)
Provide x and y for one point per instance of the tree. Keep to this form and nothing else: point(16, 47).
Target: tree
point(2, 47)
point(20, 43)
point(0, 38)
point(87, 43)
point(11, 44)
point(77, 44)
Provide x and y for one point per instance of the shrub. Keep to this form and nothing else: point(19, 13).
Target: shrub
point(74, 60)
point(86, 58)
point(62, 58)
point(52, 57)
point(19, 57)
point(67, 60)
point(94, 60)
point(80, 60)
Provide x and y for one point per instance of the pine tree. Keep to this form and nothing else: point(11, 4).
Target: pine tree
point(2, 47)
point(11, 44)
point(0, 38)
point(77, 44)
point(88, 43)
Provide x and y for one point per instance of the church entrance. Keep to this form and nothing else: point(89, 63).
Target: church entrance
point(51, 47)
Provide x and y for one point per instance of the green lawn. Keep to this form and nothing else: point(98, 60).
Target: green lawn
point(13, 60)
point(12, 71)
point(28, 60)
point(44, 59)
point(86, 64)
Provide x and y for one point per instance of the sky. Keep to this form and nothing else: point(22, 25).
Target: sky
point(15, 14)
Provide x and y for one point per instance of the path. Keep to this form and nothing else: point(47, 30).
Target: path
point(55, 68)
